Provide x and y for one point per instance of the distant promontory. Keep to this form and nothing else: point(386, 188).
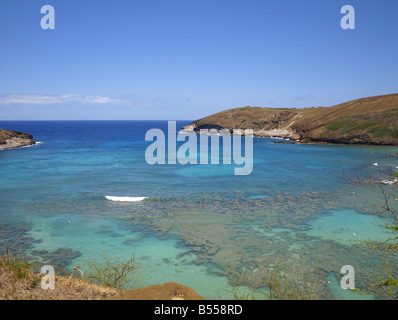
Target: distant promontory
point(14, 139)
point(372, 121)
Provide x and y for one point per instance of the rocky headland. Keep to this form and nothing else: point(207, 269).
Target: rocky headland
point(370, 121)
point(14, 139)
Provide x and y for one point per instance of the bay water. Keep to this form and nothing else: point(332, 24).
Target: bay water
point(199, 225)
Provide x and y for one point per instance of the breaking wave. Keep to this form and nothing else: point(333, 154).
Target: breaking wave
point(125, 199)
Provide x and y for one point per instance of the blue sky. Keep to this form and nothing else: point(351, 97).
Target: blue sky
point(186, 59)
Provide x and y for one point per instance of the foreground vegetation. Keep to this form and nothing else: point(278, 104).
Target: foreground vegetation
point(387, 284)
point(20, 281)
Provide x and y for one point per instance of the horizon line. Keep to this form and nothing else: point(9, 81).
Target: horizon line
point(103, 120)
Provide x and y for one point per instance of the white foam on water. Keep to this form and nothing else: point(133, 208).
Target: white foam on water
point(35, 144)
point(125, 199)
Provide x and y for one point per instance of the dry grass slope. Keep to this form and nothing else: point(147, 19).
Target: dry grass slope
point(19, 282)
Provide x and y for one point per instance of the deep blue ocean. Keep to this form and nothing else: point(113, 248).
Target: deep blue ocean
point(200, 225)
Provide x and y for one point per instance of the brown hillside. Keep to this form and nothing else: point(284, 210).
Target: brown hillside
point(372, 120)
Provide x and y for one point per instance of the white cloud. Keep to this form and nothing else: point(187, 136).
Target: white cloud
point(55, 99)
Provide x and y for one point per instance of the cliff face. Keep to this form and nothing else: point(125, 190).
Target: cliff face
point(14, 139)
point(372, 120)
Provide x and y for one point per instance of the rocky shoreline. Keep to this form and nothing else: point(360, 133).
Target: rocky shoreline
point(15, 139)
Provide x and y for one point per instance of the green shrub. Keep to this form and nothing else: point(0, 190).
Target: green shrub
point(21, 268)
point(394, 132)
point(114, 272)
point(334, 126)
point(390, 113)
point(378, 131)
point(344, 125)
point(364, 125)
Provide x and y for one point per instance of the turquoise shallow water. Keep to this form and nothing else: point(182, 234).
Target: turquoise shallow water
point(200, 225)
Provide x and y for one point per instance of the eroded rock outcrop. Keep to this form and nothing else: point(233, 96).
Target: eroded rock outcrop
point(14, 139)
